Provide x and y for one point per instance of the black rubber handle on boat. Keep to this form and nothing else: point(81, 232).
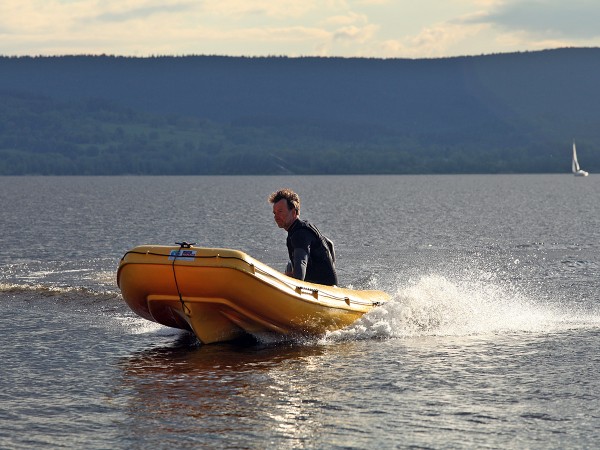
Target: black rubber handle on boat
point(185, 244)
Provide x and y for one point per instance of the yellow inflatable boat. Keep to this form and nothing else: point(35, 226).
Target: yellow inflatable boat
point(222, 294)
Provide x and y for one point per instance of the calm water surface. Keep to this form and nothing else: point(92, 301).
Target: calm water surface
point(491, 339)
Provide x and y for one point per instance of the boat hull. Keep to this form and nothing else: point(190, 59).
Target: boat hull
point(223, 294)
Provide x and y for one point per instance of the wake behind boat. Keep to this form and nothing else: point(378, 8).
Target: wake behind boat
point(577, 171)
point(222, 294)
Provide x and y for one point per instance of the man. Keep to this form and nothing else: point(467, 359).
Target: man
point(311, 253)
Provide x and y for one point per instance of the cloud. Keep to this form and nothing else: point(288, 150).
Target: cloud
point(279, 9)
point(349, 18)
point(354, 33)
point(374, 28)
point(285, 34)
point(142, 11)
point(350, 27)
point(26, 18)
point(431, 42)
point(549, 19)
point(373, 2)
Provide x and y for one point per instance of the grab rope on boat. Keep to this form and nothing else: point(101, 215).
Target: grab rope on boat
point(182, 245)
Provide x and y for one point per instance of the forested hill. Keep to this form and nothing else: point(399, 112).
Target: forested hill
point(209, 114)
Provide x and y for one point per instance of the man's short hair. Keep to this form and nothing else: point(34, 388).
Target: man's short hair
point(293, 200)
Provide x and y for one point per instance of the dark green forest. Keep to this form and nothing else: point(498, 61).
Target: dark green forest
point(100, 115)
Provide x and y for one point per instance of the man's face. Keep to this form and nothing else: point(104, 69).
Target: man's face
point(284, 217)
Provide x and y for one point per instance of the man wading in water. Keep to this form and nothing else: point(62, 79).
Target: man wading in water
point(312, 256)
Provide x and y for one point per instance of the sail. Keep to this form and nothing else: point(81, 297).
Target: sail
point(575, 164)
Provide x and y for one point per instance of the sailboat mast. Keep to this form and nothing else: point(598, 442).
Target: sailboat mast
point(575, 163)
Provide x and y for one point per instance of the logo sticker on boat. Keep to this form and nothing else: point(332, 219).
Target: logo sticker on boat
point(182, 255)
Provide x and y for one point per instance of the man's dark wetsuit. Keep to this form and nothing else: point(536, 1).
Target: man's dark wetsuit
point(310, 256)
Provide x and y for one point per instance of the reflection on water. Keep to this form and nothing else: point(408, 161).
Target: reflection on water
point(239, 391)
point(428, 389)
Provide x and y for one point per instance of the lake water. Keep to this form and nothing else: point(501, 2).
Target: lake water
point(491, 340)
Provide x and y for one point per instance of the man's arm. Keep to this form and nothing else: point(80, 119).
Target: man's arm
point(300, 262)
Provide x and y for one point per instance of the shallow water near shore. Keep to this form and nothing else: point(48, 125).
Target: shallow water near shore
point(490, 341)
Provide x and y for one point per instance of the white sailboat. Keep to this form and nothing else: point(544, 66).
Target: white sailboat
point(577, 171)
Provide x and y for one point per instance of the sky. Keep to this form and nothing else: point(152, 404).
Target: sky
point(347, 28)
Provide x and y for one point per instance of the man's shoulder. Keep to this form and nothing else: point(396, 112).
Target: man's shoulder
point(301, 226)
point(296, 226)
point(300, 230)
